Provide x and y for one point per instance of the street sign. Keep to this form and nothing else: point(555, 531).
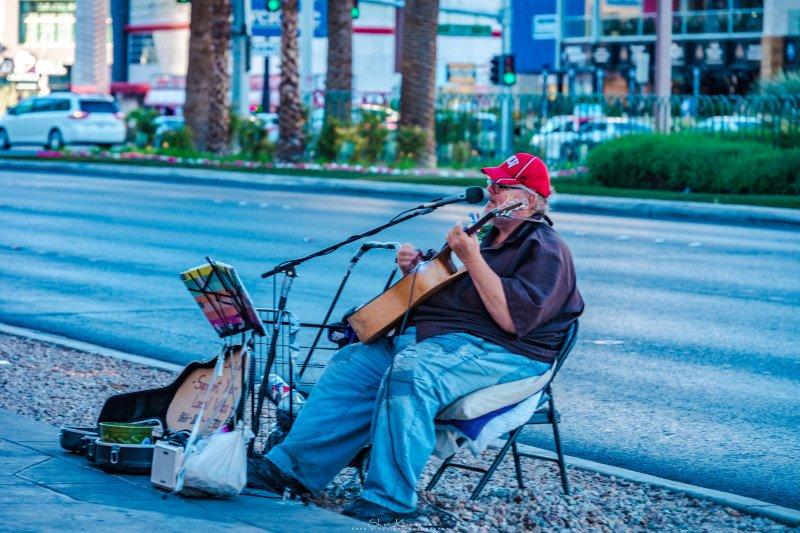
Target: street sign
point(544, 27)
point(265, 46)
point(461, 73)
point(465, 30)
point(268, 23)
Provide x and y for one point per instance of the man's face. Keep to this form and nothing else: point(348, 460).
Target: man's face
point(504, 194)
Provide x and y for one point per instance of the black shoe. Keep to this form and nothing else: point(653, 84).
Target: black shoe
point(366, 511)
point(264, 475)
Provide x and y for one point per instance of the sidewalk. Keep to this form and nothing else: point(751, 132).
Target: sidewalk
point(44, 488)
point(596, 205)
point(41, 483)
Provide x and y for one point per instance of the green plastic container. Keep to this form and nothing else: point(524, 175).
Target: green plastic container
point(124, 433)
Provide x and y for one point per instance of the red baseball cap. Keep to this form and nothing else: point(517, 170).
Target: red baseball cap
point(522, 169)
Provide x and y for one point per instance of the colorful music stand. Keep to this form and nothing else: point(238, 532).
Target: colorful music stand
point(223, 299)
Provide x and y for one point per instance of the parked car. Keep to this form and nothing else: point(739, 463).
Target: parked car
point(595, 132)
point(165, 124)
point(560, 139)
point(552, 135)
point(63, 118)
point(728, 124)
point(586, 112)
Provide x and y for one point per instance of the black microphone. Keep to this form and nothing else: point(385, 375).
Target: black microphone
point(471, 195)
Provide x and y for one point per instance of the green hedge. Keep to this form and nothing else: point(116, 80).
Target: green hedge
point(698, 163)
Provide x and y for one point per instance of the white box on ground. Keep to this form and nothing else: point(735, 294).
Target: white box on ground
point(167, 460)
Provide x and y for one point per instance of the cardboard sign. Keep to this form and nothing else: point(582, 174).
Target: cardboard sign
point(221, 398)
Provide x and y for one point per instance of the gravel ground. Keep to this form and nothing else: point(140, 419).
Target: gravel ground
point(61, 386)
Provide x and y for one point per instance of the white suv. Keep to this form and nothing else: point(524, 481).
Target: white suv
point(63, 118)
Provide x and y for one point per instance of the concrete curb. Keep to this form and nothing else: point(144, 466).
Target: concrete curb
point(784, 515)
point(597, 205)
point(87, 347)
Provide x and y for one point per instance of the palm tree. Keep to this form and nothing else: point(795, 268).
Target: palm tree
point(339, 76)
point(291, 140)
point(208, 79)
point(418, 68)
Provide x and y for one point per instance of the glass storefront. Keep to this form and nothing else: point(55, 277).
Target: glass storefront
point(716, 44)
point(689, 17)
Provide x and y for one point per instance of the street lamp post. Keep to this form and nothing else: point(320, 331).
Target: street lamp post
point(545, 79)
point(663, 66)
point(306, 46)
point(506, 119)
point(240, 88)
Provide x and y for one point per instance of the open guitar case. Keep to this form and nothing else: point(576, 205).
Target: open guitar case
point(154, 406)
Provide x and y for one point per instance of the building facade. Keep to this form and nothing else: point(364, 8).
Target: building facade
point(718, 46)
point(154, 36)
point(37, 47)
point(48, 45)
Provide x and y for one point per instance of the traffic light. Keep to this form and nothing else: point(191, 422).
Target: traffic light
point(495, 70)
point(509, 70)
point(273, 5)
point(355, 11)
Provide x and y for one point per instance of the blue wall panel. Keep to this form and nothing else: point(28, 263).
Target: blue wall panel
point(532, 55)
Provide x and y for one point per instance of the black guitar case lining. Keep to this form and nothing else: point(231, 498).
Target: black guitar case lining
point(134, 407)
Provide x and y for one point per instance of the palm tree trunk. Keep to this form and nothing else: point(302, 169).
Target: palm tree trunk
point(418, 88)
point(207, 80)
point(291, 140)
point(339, 76)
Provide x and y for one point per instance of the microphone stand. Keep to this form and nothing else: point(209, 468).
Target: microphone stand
point(287, 267)
point(289, 273)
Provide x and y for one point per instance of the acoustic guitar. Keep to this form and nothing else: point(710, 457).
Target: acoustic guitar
point(377, 317)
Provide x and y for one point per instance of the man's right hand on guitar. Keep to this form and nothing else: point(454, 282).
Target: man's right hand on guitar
point(408, 257)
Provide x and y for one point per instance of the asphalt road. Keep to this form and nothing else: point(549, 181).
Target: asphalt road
point(687, 366)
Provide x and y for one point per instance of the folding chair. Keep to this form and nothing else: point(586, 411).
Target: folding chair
point(545, 414)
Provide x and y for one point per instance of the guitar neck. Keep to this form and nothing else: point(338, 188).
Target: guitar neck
point(470, 230)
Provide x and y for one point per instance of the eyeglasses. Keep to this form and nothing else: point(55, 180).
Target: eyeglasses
point(495, 188)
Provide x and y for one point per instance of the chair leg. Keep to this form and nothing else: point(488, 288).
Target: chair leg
point(517, 465)
point(439, 472)
point(512, 437)
point(557, 437)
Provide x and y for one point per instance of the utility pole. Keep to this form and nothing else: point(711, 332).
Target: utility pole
point(240, 78)
point(506, 119)
point(306, 46)
point(90, 74)
point(265, 94)
point(663, 66)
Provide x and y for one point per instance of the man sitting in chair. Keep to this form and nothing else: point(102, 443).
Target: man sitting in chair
point(504, 321)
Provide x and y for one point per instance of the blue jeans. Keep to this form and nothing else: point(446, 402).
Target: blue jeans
point(348, 409)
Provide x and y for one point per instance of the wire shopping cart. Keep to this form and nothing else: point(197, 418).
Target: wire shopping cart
point(288, 361)
point(287, 387)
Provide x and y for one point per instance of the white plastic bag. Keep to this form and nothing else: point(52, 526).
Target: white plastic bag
point(218, 465)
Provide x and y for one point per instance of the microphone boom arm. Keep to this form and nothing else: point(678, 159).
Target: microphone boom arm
point(289, 265)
